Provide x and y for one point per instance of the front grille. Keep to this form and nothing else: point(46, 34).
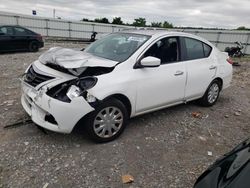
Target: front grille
point(33, 78)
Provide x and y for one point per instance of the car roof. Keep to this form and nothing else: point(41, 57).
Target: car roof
point(143, 31)
point(13, 26)
point(10, 25)
point(17, 26)
point(163, 32)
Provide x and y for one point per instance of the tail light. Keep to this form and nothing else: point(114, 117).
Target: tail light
point(230, 61)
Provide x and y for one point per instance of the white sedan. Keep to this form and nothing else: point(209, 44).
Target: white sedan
point(120, 76)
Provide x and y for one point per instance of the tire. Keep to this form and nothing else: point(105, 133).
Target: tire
point(105, 132)
point(33, 46)
point(211, 95)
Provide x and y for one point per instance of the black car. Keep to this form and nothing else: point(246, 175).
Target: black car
point(17, 38)
point(230, 171)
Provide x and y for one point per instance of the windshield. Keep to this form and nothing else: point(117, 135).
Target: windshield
point(117, 46)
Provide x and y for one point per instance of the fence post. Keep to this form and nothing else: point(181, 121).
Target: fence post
point(93, 27)
point(112, 28)
point(47, 27)
point(247, 43)
point(69, 29)
point(17, 20)
point(217, 39)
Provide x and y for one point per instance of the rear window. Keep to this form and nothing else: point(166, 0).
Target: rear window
point(196, 49)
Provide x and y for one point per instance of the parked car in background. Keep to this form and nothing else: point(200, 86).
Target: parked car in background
point(122, 75)
point(17, 38)
point(230, 171)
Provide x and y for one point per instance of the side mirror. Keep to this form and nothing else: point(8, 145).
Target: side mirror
point(150, 62)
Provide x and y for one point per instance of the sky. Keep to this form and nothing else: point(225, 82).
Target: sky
point(227, 14)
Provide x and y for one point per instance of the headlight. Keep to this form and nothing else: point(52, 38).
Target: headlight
point(73, 92)
point(86, 83)
point(80, 87)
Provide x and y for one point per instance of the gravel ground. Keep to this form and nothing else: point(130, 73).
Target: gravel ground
point(167, 148)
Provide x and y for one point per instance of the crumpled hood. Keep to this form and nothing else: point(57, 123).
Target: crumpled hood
point(73, 59)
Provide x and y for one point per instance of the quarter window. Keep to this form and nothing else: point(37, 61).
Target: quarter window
point(196, 49)
point(207, 50)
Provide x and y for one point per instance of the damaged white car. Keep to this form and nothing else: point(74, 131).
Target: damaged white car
point(122, 75)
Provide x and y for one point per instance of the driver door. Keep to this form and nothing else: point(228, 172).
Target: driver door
point(161, 86)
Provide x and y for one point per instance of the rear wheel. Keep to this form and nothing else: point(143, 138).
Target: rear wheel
point(212, 94)
point(107, 122)
point(33, 46)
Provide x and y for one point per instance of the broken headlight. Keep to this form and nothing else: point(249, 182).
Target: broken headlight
point(72, 89)
point(73, 92)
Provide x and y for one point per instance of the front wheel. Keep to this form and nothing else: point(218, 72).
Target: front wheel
point(212, 94)
point(107, 122)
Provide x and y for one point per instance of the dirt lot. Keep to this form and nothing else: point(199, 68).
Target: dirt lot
point(167, 148)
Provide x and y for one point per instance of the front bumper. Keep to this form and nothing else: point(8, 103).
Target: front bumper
point(39, 106)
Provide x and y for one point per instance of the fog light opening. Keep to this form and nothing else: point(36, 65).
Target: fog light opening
point(49, 118)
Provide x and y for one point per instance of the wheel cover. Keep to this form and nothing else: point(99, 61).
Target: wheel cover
point(213, 93)
point(108, 122)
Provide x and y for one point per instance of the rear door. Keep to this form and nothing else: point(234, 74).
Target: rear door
point(6, 38)
point(201, 67)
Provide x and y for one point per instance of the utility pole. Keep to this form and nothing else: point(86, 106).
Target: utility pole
point(54, 13)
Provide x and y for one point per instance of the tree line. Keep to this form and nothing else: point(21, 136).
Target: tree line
point(142, 22)
point(243, 28)
point(138, 22)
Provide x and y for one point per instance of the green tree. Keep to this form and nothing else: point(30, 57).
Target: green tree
point(139, 22)
point(85, 20)
point(101, 20)
point(156, 24)
point(242, 28)
point(166, 24)
point(117, 20)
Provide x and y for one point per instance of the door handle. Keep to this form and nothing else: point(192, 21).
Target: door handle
point(178, 73)
point(212, 67)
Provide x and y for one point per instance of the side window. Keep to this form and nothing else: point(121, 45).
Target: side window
point(20, 31)
point(207, 49)
point(6, 30)
point(196, 49)
point(165, 49)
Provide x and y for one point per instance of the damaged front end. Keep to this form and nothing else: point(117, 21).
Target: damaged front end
point(69, 90)
point(75, 62)
point(82, 65)
point(55, 88)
